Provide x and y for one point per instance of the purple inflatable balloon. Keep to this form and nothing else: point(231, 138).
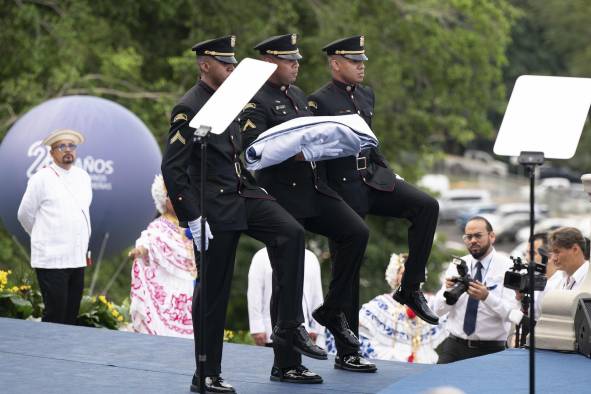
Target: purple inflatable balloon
point(120, 154)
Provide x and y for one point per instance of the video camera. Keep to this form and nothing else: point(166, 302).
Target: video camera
point(517, 280)
point(461, 283)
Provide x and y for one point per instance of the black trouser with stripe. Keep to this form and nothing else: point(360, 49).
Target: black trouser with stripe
point(61, 289)
point(343, 227)
point(404, 202)
point(269, 223)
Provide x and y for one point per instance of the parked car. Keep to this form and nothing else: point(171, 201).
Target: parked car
point(477, 211)
point(455, 202)
point(437, 183)
point(475, 162)
point(546, 225)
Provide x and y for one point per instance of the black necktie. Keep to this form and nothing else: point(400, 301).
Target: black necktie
point(472, 306)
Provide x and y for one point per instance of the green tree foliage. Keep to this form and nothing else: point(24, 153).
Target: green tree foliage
point(435, 65)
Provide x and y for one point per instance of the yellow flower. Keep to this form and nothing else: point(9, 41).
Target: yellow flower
point(102, 299)
point(3, 278)
point(119, 318)
point(14, 289)
point(228, 335)
point(114, 313)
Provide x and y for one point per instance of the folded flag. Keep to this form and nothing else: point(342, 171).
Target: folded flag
point(318, 137)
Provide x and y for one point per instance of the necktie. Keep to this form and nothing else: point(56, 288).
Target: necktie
point(472, 305)
point(570, 283)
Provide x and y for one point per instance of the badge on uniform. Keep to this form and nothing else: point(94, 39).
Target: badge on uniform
point(249, 105)
point(249, 123)
point(312, 104)
point(178, 137)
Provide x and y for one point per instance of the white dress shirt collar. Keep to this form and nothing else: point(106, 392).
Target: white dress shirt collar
point(485, 261)
point(578, 276)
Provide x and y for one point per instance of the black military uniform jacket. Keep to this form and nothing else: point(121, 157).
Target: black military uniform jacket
point(346, 175)
point(294, 183)
point(227, 180)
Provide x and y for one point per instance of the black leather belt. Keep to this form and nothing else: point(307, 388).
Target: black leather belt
point(473, 344)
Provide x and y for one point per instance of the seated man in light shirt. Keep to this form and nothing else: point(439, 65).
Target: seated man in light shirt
point(259, 292)
point(478, 322)
point(568, 248)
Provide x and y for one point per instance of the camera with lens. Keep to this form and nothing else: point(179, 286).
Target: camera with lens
point(518, 280)
point(461, 283)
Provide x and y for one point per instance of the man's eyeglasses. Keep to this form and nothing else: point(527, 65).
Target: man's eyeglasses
point(64, 147)
point(476, 236)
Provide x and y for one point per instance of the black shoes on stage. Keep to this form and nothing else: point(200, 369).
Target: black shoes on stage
point(336, 322)
point(300, 341)
point(299, 374)
point(354, 363)
point(415, 300)
point(213, 384)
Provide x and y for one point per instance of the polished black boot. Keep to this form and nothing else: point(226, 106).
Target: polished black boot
point(413, 298)
point(299, 374)
point(299, 340)
point(213, 384)
point(336, 322)
point(354, 363)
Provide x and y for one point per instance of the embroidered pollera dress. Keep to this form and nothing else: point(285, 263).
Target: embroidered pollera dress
point(162, 282)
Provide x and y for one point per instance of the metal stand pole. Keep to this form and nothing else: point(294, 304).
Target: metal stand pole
point(530, 271)
point(529, 160)
point(200, 136)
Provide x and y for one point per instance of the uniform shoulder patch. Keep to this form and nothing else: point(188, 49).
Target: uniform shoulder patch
point(312, 104)
point(249, 105)
point(178, 137)
point(249, 124)
point(180, 116)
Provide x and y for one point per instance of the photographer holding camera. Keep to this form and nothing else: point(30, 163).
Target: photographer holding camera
point(476, 301)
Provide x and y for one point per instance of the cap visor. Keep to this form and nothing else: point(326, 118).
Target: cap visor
point(226, 59)
point(291, 56)
point(360, 57)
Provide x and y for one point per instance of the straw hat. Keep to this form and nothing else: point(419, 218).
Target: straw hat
point(63, 134)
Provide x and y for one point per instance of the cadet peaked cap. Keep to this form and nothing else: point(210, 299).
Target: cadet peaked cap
point(351, 47)
point(63, 134)
point(283, 47)
point(221, 48)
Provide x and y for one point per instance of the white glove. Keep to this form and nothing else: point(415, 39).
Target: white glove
point(321, 150)
point(195, 226)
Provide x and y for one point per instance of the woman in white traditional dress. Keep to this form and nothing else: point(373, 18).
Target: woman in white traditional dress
point(163, 273)
point(391, 331)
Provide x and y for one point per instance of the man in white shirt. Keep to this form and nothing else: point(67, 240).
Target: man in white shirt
point(478, 322)
point(54, 211)
point(259, 296)
point(567, 246)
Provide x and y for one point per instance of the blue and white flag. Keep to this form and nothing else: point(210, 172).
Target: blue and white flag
point(349, 133)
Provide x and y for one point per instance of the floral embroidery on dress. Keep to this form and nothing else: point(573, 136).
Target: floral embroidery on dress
point(162, 283)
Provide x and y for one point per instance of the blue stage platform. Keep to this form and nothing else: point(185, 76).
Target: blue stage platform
point(52, 358)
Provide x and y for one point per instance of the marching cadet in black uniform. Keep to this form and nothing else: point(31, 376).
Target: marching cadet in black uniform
point(366, 182)
point(301, 189)
point(235, 205)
